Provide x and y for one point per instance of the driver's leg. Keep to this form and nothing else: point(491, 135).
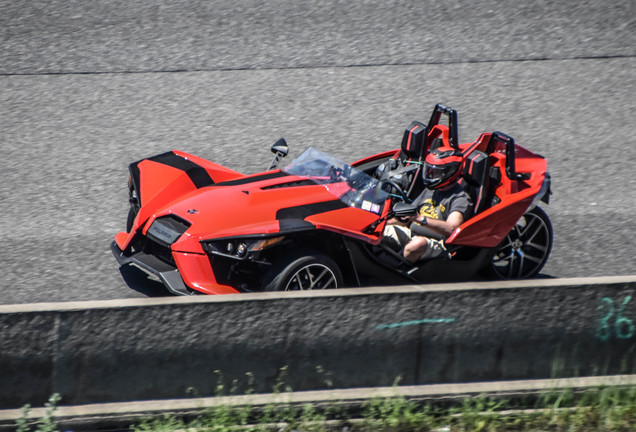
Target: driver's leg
point(396, 237)
point(416, 248)
point(423, 248)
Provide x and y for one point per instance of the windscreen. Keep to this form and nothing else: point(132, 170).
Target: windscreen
point(352, 186)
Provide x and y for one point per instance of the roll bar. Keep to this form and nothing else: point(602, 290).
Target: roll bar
point(509, 142)
point(452, 123)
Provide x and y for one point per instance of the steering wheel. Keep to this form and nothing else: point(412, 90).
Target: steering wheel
point(403, 195)
point(397, 187)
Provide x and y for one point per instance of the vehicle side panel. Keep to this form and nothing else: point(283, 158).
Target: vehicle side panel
point(491, 226)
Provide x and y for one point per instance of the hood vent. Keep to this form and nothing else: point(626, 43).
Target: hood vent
point(290, 184)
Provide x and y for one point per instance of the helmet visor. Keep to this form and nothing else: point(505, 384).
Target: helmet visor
point(436, 175)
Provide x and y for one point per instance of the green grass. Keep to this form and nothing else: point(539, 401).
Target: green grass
point(603, 409)
point(46, 423)
point(607, 409)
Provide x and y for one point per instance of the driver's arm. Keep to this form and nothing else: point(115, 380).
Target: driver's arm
point(406, 223)
point(443, 227)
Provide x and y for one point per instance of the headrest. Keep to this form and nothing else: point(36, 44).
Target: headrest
point(414, 141)
point(475, 167)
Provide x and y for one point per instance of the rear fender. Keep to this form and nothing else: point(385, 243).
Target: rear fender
point(521, 181)
point(515, 197)
point(489, 227)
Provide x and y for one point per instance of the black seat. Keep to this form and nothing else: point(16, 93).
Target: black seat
point(413, 152)
point(476, 180)
point(406, 169)
point(414, 142)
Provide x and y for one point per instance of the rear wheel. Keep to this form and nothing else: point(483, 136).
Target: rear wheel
point(303, 271)
point(526, 248)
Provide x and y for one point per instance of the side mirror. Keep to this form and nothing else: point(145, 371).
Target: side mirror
point(280, 150)
point(281, 147)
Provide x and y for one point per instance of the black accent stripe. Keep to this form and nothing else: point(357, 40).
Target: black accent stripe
point(198, 175)
point(294, 217)
point(252, 179)
point(133, 168)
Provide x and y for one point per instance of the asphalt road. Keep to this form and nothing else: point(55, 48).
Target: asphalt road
point(88, 87)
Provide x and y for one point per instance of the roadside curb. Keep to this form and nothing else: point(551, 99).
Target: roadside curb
point(342, 292)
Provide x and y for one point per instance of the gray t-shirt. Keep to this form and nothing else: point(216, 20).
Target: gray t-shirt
point(439, 204)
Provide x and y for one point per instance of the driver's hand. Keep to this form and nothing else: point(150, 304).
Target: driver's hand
point(403, 221)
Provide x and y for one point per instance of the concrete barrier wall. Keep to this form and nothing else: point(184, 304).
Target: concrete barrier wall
point(159, 348)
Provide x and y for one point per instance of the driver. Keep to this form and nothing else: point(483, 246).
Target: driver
point(442, 207)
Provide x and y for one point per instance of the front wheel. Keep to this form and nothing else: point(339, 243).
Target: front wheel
point(526, 248)
point(303, 271)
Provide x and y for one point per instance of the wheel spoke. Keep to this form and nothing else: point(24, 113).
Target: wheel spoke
point(511, 264)
point(522, 259)
point(324, 272)
point(539, 247)
point(537, 252)
point(526, 228)
point(298, 280)
point(309, 278)
point(503, 249)
point(539, 229)
point(534, 259)
point(316, 276)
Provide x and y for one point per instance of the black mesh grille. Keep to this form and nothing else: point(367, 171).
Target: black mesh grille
point(167, 229)
point(160, 251)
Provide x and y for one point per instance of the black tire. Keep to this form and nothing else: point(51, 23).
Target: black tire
point(526, 248)
point(303, 270)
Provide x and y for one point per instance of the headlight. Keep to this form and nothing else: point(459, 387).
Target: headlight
point(263, 244)
point(238, 248)
point(229, 248)
point(133, 197)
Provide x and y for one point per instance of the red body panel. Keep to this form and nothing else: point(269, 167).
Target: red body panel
point(379, 156)
point(488, 228)
point(197, 273)
point(169, 183)
point(226, 211)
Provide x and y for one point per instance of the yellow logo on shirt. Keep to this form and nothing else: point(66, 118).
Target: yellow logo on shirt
point(431, 209)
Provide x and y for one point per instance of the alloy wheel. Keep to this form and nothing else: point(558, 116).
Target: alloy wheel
point(526, 248)
point(312, 276)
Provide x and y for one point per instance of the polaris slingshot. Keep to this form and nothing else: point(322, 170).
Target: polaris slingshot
point(318, 223)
